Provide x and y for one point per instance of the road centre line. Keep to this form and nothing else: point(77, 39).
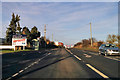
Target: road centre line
point(69, 51)
point(74, 55)
point(100, 73)
point(27, 67)
point(77, 57)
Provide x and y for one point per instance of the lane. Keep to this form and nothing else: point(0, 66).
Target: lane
point(113, 57)
point(14, 63)
point(107, 66)
point(60, 64)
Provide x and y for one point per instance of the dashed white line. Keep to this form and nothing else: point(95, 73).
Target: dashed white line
point(15, 75)
point(69, 51)
point(77, 57)
point(74, 55)
point(100, 73)
point(20, 71)
point(26, 67)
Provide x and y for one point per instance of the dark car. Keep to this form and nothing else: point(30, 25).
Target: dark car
point(109, 49)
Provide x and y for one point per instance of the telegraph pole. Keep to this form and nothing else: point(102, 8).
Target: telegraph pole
point(52, 36)
point(45, 32)
point(91, 34)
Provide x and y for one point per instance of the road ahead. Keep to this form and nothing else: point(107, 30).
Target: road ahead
point(63, 63)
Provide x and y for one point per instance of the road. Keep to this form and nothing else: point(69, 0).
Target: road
point(60, 63)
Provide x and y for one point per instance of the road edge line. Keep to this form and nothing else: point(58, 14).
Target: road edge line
point(26, 67)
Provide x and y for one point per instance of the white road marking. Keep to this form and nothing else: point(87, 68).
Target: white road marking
point(20, 71)
point(9, 78)
point(74, 55)
point(112, 58)
point(86, 55)
point(27, 67)
point(105, 56)
point(15, 75)
point(69, 51)
point(100, 73)
point(78, 58)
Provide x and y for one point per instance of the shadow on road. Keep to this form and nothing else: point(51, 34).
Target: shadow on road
point(13, 62)
point(17, 77)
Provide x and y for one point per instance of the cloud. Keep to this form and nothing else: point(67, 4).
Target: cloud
point(60, 0)
point(68, 21)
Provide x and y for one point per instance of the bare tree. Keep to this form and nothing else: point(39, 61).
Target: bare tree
point(111, 38)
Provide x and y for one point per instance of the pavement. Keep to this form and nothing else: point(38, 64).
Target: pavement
point(59, 63)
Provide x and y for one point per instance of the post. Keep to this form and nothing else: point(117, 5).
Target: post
point(14, 48)
point(45, 32)
point(23, 47)
point(91, 33)
point(52, 37)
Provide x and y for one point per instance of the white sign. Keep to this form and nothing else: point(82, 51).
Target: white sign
point(19, 41)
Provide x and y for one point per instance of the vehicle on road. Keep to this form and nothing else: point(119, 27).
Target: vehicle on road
point(109, 49)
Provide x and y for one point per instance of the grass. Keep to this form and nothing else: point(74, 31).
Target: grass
point(11, 51)
point(89, 49)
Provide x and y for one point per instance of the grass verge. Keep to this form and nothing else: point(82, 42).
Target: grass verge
point(11, 51)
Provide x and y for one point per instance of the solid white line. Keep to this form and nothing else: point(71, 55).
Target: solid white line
point(112, 58)
point(104, 76)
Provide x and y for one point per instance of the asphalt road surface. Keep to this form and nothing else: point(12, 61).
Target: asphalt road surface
point(59, 63)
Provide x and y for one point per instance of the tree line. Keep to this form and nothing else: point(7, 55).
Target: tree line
point(15, 28)
point(113, 39)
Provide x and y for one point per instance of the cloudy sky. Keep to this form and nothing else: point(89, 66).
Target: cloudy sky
point(68, 21)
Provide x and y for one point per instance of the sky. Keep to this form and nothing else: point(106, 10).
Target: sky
point(67, 21)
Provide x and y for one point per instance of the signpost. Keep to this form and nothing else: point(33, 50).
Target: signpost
point(19, 41)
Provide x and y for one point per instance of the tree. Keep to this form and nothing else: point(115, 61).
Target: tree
point(85, 42)
point(42, 42)
point(26, 32)
point(11, 30)
point(34, 33)
point(111, 38)
point(19, 28)
point(93, 40)
point(118, 40)
point(77, 44)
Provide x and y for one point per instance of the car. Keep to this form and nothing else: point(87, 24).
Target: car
point(109, 49)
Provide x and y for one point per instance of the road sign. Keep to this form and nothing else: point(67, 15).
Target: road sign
point(19, 41)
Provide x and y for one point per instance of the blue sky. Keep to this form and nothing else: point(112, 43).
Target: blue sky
point(68, 21)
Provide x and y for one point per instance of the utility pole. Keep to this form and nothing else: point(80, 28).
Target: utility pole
point(91, 34)
point(52, 36)
point(45, 32)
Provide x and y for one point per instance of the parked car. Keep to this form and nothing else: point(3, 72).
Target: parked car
point(109, 49)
